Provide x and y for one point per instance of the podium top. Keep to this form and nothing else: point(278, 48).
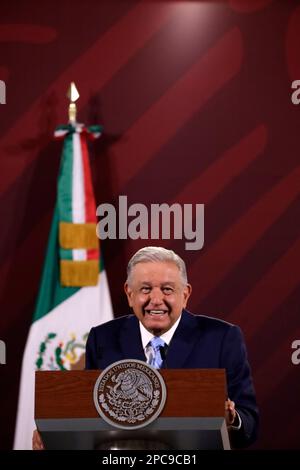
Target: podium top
point(190, 393)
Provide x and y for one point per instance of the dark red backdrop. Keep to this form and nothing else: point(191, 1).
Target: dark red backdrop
point(195, 98)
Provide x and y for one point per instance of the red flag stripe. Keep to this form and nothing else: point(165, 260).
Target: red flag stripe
point(90, 205)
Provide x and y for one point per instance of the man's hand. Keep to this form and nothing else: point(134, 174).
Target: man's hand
point(230, 412)
point(37, 443)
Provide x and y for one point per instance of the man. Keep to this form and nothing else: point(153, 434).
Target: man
point(158, 291)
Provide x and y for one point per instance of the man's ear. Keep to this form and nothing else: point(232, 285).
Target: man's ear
point(186, 294)
point(128, 292)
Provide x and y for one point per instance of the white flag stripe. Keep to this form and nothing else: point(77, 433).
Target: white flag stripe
point(79, 255)
point(78, 195)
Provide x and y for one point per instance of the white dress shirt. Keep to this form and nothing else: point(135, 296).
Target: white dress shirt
point(147, 337)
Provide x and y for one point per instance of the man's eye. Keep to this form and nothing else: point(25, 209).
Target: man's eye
point(145, 290)
point(167, 290)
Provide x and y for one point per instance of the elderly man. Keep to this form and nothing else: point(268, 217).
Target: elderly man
point(158, 291)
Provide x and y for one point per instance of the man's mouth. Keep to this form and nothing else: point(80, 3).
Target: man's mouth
point(156, 312)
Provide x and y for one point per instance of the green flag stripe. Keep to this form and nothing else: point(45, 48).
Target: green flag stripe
point(51, 293)
point(64, 195)
point(65, 254)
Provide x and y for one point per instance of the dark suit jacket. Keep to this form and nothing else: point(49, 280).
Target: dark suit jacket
point(198, 342)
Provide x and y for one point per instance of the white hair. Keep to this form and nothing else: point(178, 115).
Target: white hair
point(157, 254)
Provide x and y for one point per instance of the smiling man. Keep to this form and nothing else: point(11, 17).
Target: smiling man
point(164, 334)
point(157, 291)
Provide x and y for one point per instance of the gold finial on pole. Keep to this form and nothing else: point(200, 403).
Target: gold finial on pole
point(73, 96)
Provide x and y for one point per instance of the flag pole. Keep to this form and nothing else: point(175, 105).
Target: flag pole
point(73, 96)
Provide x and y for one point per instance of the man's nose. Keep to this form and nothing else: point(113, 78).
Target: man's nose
point(156, 297)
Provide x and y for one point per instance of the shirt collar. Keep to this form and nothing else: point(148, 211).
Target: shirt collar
point(166, 337)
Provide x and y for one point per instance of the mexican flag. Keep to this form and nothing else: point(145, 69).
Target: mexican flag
point(73, 294)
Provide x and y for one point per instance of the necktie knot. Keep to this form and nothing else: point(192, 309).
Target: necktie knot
point(156, 359)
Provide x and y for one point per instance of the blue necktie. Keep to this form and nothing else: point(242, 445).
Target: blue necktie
point(155, 359)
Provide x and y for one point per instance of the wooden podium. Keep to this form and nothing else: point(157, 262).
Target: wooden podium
point(193, 416)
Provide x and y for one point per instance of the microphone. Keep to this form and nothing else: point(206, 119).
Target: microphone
point(163, 354)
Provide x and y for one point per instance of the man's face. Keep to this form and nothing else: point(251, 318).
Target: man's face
point(157, 295)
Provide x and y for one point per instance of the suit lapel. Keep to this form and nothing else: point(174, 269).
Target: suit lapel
point(182, 343)
point(130, 340)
